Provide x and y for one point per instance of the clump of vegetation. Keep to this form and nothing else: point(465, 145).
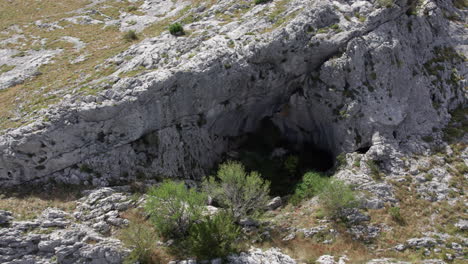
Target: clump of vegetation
point(460, 4)
point(291, 164)
point(130, 35)
point(142, 238)
point(312, 184)
point(428, 139)
point(6, 68)
point(385, 3)
point(177, 213)
point(336, 196)
point(132, 8)
point(176, 29)
point(458, 125)
point(214, 237)
point(396, 215)
point(360, 17)
point(375, 172)
point(243, 194)
point(174, 208)
point(258, 2)
point(86, 168)
point(341, 160)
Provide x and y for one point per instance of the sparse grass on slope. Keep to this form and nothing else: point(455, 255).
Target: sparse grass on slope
point(61, 76)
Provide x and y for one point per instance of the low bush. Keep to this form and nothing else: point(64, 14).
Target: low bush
point(130, 35)
point(258, 2)
point(132, 8)
point(375, 172)
point(141, 238)
point(214, 237)
point(176, 29)
point(241, 193)
point(336, 196)
point(291, 164)
point(174, 208)
point(312, 184)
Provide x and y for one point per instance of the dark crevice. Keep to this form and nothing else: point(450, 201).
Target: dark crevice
point(277, 158)
point(363, 150)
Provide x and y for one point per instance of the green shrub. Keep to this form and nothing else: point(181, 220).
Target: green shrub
point(176, 29)
point(291, 164)
point(132, 8)
point(174, 208)
point(460, 4)
point(312, 184)
point(341, 160)
point(214, 237)
point(335, 197)
point(396, 216)
point(242, 193)
point(374, 170)
point(130, 35)
point(258, 2)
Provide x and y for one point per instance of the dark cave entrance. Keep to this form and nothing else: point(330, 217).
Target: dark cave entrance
point(279, 160)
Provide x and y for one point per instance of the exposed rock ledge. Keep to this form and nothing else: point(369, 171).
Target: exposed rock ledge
point(321, 77)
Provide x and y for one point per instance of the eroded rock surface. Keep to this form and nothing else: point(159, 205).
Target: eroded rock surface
point(318, 72)
point(60, 237)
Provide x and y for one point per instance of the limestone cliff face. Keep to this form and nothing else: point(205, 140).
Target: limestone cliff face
point(343, 75)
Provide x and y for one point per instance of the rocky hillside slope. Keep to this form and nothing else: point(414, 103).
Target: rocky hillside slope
point(345, 76)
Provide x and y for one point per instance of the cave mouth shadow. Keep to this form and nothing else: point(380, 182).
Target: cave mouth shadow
point(279, 160)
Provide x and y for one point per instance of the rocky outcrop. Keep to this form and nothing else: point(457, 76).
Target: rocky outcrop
point(60, 237)
point(342, 83)
point(253, 256)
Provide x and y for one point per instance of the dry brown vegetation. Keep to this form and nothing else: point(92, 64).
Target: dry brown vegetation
point(142, 237)
point(60, 76)
point(28, 205)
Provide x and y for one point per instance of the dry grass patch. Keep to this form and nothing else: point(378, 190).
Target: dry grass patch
point(306, 250)
point(61, 76)
point(142, 238)
point(26, 11)
point(28, 206)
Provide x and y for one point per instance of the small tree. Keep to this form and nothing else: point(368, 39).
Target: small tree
point(242, 193)
point(173, 208)
point(335, 197)
point(213, 237)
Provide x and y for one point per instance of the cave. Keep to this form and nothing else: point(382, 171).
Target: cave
point(278, 158)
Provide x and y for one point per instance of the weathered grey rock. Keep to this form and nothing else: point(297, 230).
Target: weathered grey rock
point(5, 217)
point(257, 256)
point(274, 203)
point(387, 261)
point(309, 232)
point(433, 261)
point(354, 216)
point(365, 233)
point(422, 242)
point(289, 237)
point(248, 222)
point(328, 259)
point(357, 87)
point(400, 247)
point(55, 234)
point(22, 67)
point(462, 224)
